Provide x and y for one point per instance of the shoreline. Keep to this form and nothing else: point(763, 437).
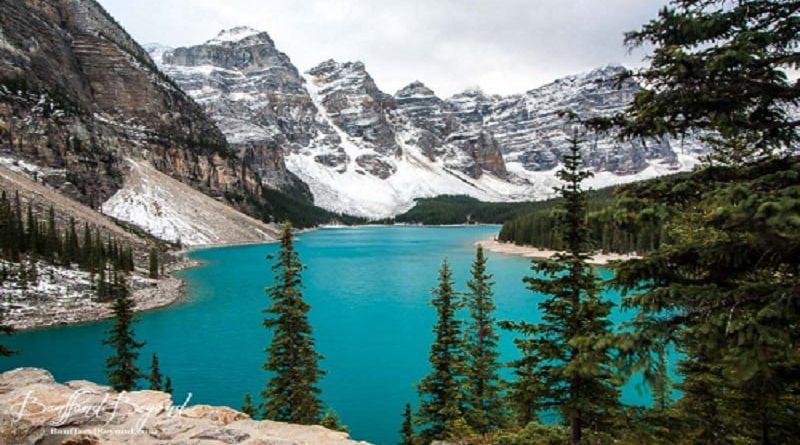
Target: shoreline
point(155, 294)
point(493, 245)
point(162, 293)
point(171, 290)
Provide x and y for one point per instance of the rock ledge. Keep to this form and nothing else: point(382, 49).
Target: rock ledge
point(35, 409)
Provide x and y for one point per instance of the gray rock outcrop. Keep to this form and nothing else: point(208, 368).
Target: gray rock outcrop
point(34, 409)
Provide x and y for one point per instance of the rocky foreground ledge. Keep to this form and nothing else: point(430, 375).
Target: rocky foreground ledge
point(35, 410)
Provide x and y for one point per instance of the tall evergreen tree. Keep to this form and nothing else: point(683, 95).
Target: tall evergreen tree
point(52, 243)
point(71, 247)
point(571, 346)
point(121, 367)
point(486, 405)
point(291, 394)
point(526, 391)
point(407, 436)
point(332, 421)
point(153, 260)
point(5, 330)
point(87, 249)
point(722, 290)
point(720, 67)
point(442, 400)
point(168, 385)
point(248, 407)
point(155, 378)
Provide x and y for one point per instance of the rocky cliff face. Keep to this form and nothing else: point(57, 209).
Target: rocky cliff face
point(532, 132)
point(352, 101)
point(77, 94)
point(336, 130)
point(433, 126)
point(256, 96)
point(36, 409)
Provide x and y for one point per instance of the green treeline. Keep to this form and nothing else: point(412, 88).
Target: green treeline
point(26, 234)
point(28, 238)
point(615, 224)
point(278, 206)
point(461, 209)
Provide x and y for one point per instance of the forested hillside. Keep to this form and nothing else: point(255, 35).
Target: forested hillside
point(461, 209)
point(616, 222)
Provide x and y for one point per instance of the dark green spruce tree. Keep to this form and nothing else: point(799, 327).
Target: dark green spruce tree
point(570, 348)
point(486, 402)
point(332, 421)
point(121, 367)
point(724, 290)
point(155, 378)
point(168, 385)
point(442, 399)
point(720, 67)
point(153, 263)
point(248, 407)
point(407, 435)
point(291, 393)
point(5, 330)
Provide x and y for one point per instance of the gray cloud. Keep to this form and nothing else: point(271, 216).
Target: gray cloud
point(503, 46)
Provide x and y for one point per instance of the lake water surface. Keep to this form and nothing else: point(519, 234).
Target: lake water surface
point(369, 288)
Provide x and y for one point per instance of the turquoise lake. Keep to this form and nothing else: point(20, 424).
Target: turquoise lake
point(369, 288)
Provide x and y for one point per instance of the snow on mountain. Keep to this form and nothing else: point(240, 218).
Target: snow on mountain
point(173, 211)
point(234, 35)
point(532, 132)
point(350, 187)
point(364, 152)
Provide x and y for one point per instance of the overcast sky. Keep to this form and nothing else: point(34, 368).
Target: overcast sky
point(502, 46)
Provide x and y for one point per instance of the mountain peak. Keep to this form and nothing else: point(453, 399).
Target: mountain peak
point(237, 34)
point(415, 88)
point(332, 66)
point(610, 69)
point(474, 91)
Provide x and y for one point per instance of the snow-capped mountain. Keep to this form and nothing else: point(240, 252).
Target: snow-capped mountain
point(362, 151)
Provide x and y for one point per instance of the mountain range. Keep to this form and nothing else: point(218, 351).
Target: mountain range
point(160, 137)
point(362, 151)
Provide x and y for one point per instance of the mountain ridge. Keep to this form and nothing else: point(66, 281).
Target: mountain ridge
point(358, 149)
point(78, 96)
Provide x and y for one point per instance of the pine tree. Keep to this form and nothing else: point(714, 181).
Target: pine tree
point(153, 259)
point(486, 412)
point(5, 330)
point(407, 428)
point(442, 402)
point(87, 249)
point(103, 287)
point(121, 367)
point(571, 347)
point(52, 243)
point(721, 291)
point(31, 242)
point(291, 394)
point(71, 247)
point(155, 378)
point(248, 407)
point(526, 393)
point(33, 270)
point(331, 421)
point(19, 230)
point(720, 67)
point(168, 385)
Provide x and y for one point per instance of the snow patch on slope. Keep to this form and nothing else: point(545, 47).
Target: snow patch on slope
point(351, 190)
point(173, 211)
point(234, 34)
point(354, 191)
